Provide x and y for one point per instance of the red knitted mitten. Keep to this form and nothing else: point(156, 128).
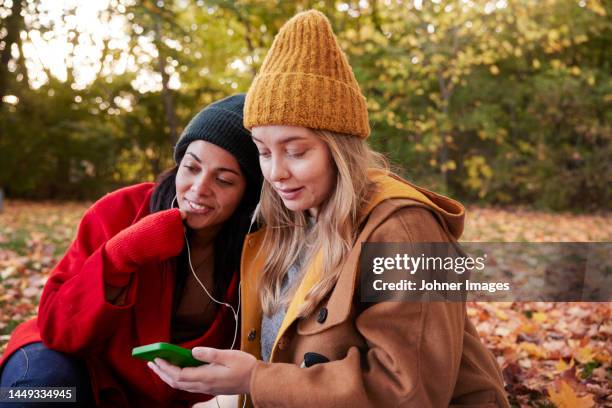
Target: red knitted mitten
point(156, 237)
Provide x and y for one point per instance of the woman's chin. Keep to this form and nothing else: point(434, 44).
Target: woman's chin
point(197, 224)
point(293, 205)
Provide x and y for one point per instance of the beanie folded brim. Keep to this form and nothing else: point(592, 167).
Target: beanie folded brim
point(306, 100)
point(221, 124)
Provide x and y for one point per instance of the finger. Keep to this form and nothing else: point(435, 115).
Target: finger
point(161, 374)
point(188, 374)
point(205, 375)
point(210, 355)
point(205, 354)
point(193, 387)
point(170, 370)
point(176, 381)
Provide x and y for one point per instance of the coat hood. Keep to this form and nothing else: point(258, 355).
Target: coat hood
point(450, 212)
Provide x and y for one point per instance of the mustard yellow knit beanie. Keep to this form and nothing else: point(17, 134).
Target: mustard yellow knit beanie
point(306, 81)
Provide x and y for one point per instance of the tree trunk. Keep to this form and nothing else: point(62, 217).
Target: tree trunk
point(166, 92)
point(446, 93)
point(13, 26)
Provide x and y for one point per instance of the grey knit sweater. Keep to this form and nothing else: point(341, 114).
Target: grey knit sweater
point(270, 325)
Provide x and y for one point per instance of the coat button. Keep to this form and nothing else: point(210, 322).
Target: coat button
point(322, 315)
point(283, 343)
point(252, 334)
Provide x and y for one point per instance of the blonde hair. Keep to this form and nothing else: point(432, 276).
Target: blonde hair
point(333, 234)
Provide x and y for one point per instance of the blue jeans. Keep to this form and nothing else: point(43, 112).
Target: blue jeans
point(34, 365)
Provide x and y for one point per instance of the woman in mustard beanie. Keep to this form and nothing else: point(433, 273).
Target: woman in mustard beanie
point(307, 338)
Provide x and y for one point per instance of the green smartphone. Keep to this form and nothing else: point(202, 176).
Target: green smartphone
point(173, 354)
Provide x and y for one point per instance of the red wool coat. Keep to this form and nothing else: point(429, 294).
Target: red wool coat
point(74, 316)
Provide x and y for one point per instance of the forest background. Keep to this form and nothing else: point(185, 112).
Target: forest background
point(504, 102)
point(504, 105)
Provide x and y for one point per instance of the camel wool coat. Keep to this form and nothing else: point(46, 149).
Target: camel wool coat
point(386, 354)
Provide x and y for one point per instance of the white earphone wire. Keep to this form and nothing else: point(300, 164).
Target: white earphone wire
point(234, 312)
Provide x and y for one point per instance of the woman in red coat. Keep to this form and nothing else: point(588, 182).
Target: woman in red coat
point(150, 263)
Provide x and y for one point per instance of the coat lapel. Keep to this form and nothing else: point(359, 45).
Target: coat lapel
point(311, 277)
point(341, 298)
point(251, 265)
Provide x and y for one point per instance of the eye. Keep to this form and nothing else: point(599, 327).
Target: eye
point(265, 154)
point(191, 168)
point(224, 182)
point(296, 154)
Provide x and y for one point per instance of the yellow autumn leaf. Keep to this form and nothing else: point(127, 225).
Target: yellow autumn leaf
point(553, 35)
point(584, 355)
point(501, 315)
point(536, 63)
point(580, 39)
point(566, 397)
point(603, 357)
point(562, 366)
point(539, 317)
point(533, 350)
point(528, 328)
point(596, 7)
point(557, 64)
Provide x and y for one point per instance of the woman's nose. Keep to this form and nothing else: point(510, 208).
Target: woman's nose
point(278, 171)
point(202, 185)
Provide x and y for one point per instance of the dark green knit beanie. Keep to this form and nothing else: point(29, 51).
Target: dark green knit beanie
point(220, 123)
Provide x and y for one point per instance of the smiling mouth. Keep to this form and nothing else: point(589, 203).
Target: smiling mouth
point(289, 193)
point(198, 208)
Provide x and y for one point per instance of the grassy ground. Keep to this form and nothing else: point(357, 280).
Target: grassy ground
point(551, 353)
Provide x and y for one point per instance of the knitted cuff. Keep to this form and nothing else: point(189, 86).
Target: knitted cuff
point(154, 238)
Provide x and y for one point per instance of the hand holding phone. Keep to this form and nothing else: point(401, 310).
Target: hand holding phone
point(173, 354)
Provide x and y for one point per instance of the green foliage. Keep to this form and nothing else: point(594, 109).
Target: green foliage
point(587, 371)
point(499, 102)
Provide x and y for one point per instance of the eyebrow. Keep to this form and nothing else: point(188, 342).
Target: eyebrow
point(285, 140)
point(218, 169)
